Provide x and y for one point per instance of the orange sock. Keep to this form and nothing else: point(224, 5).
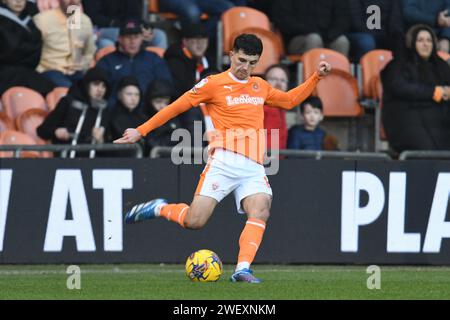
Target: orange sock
point(175, 212)
point(249, 242)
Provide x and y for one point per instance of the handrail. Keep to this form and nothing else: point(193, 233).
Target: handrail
point(159, 152)
point(424, 154)
point(64, 148)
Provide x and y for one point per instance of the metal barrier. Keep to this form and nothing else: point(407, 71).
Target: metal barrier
point(160, 152)
point(63, 148)
point(407, 155)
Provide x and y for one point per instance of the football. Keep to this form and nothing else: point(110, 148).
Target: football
point(204, 266)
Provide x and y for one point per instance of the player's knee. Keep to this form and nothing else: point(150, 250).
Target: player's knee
point(260, 214)
point(194, 222)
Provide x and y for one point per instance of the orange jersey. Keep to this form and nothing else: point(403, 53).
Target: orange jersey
point(236, 108)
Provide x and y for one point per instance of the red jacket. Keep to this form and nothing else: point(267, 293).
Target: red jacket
point(275, 118)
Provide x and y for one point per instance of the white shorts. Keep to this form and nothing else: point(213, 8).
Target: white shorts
point(228, 172)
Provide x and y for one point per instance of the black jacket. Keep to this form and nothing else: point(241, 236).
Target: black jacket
point(68, 111)
point(329, 18)
point(20, 51)
point(21, 40)
point(412, 119)
point(111, 13)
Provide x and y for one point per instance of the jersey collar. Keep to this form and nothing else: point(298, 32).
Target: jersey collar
point(236, 79)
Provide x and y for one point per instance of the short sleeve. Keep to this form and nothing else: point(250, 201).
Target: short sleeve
point(201, 92)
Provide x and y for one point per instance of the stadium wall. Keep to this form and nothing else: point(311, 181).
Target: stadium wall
point(323, 212)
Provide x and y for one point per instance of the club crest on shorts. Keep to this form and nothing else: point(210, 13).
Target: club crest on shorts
point(215, 186)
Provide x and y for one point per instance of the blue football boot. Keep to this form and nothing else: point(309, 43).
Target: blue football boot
point(244, 275)
point(145, 211)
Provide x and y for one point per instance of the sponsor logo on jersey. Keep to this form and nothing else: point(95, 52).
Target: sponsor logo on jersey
point(244, 99)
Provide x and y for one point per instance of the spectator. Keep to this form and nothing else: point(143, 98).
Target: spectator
point(108, 15)
point(275, 118)
point(389, 34)
point(433, 13)
point(190, 11)
point(127, 112)
point(131, 58)
point(309, 24)
point(67, 51)
point(159, 95)
point(187, 61)
point(20, 50)
point(416, 97)
point(310, 136)
point(88, 94)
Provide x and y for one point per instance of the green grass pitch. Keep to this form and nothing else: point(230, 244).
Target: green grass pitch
point(169, 282)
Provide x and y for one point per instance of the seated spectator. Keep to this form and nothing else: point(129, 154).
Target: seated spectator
point(158, 96)
point(20, 50)
point(310, 136)
point(131, 59)
point(275, 118)
point(416, 95)
point(190, 11)
point(187, 61)
point(108, 15)
point(433, 13)
point(67, 52)
point(66, 122)
point(127, 112)
point(309, 24)
point(389, 34)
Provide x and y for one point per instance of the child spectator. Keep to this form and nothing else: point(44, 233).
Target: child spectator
point(158, 96)
point(127, 112)
point(310, 136)
point(75, 116)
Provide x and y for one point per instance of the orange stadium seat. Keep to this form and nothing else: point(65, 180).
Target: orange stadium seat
point(371, 65)
point(159, 51)
point(18, 99)
point(53, 97)
point(6, 123)
point(272, 52)
point(11, 137)
point(379, 134)
point(339, 94)
point(28, 121)
point(237, 19)
point(311, 58)
point(444, 55)
point(234, 21)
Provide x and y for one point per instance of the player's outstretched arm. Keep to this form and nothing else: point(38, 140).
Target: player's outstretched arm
point(131, 135)
point(292, 98)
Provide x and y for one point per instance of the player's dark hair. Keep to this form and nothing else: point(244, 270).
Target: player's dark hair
point(249, 44)
point(314, 102)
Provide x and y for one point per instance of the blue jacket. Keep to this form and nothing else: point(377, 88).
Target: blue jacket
point(425, 11)
point(145, 66)
point(301, 139)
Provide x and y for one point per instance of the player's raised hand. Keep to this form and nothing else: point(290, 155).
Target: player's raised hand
point(129, 136)
point(323, 68)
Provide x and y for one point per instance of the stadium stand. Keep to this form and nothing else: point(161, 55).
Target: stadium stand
point(371, 65)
